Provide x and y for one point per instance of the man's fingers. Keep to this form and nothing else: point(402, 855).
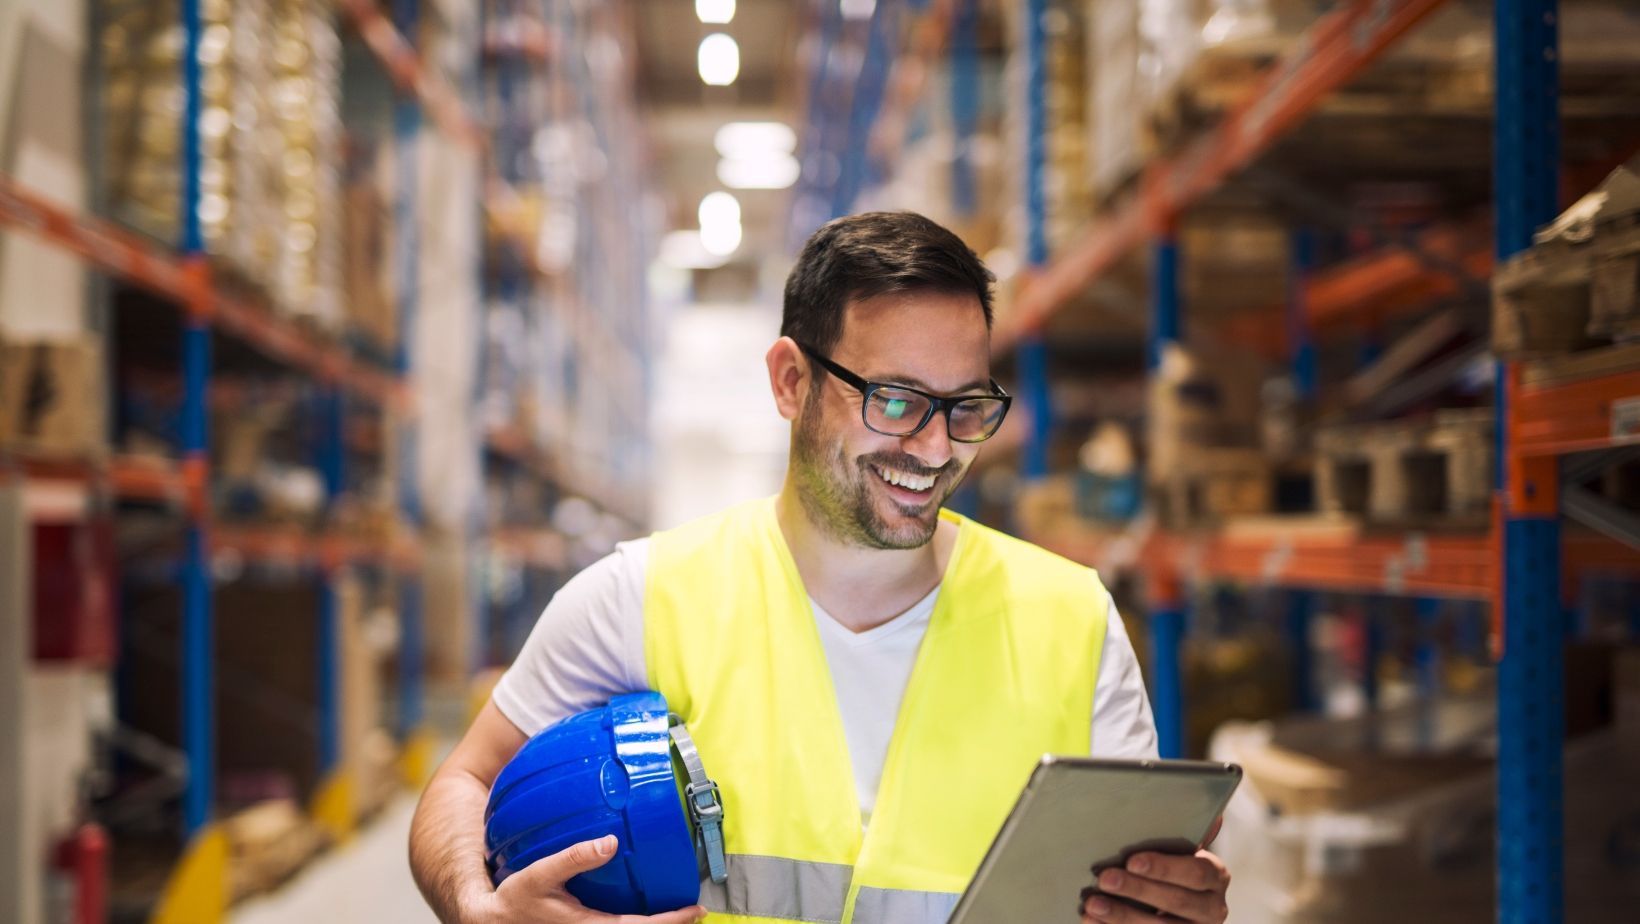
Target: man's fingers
point(552, 872)
point(1190, 904)
point(1202, 872)
point(1100, 910)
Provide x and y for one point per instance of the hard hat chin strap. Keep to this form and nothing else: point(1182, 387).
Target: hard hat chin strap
point(704, 801)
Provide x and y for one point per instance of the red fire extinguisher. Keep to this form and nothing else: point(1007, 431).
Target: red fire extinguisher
point(80, 863)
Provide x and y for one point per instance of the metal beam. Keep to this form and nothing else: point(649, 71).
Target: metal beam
point(1317, 206)
point(1531, 681)
point(1597, 513)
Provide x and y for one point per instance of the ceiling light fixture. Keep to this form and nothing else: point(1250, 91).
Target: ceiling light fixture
point(753, 139)
point(715, 11)
point(720, 231)
point(770, 170)
point(857, 9)
point(718, 60)
point(685, 250)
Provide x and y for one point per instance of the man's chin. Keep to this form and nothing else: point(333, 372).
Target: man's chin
point(898, 527)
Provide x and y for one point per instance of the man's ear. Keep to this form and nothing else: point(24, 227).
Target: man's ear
point(788, 376)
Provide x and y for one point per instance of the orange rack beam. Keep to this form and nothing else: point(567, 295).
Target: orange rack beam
point(404, 66)
point(1327, 57)
point(149, 479)
point(542, 548)
point(298, 546)
point(1338, 556)
point(129, 256)
point(102, 244)
point(1596, 413)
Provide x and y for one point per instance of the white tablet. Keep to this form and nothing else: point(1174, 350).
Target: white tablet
point(1078, 816)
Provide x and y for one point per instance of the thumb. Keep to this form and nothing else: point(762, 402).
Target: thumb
point(553, 871)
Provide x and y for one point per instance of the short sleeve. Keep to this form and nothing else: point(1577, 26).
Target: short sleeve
point(1123, 726)
point(586, 647)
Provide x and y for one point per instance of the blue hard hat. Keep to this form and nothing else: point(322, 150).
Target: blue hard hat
point(627, 769)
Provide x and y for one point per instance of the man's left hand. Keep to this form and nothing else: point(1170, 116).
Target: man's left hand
point(1181, 888)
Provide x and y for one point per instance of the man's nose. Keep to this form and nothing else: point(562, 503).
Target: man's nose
point(931, 444)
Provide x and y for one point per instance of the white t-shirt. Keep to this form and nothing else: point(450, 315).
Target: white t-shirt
point(588, 646)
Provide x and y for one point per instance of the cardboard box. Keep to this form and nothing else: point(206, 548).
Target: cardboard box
point(51, 396)
point(366, 255)
point(42, 287)
point(448, 609)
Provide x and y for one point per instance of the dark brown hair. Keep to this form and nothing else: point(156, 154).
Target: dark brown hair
point(870, 254)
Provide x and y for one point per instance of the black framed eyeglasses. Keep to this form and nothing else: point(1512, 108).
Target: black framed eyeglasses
point(900, 410)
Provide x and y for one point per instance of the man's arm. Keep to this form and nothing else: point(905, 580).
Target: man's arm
point(447, 834)
point(1186, 888)
point(447, 846)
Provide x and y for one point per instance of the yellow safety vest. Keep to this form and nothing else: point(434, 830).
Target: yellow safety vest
point(1004, 675)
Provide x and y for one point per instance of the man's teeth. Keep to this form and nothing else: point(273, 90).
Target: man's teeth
point(905, 479)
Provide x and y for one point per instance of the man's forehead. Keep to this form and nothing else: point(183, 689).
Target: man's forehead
point(936, 341)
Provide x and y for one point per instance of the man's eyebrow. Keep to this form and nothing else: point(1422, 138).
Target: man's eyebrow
point(920, 385)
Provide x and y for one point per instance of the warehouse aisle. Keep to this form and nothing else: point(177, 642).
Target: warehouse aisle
point(367, 880)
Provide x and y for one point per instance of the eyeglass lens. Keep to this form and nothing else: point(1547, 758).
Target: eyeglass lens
point(895, 412)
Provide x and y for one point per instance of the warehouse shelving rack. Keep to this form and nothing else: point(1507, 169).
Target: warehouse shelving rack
point(540, 82)
point(180, 277)
point(1517, 565)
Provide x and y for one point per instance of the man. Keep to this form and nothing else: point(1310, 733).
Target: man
point(869, 679)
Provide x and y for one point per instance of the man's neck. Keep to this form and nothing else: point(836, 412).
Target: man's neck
point(859, 587)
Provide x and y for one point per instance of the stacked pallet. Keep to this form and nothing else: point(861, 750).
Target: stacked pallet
point(267, 844)
point(1206, 463)
point(1433, 469)
point(1221, 51)
point(1578, 286)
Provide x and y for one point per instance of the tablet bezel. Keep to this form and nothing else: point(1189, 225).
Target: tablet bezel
point(1197, 829)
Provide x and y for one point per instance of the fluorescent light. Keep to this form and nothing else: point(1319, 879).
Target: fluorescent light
point(751, 139)
point(715, 11)
point(718, 60)
point(721, 240)
point(773, 170)
point(685, 250)
point(720, 231)
point(719, 208)
point(857, 9)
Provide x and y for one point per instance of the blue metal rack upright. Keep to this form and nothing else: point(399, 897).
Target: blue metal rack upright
point(1531, 683)
point(407, 122)
point(1032, 354)
point(198, 647)
point(331, 458)
point(1166, 597)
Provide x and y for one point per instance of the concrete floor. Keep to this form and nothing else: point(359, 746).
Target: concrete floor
point(366, 880)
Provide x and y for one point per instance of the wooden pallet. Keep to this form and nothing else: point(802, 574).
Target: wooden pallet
point(1569, 294)
point(1442, 70)
point(1427, 81)
point(268, 843)
point(1407, 470)
point(1209, 485)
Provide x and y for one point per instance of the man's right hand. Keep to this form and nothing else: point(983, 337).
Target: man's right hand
point(536, 893)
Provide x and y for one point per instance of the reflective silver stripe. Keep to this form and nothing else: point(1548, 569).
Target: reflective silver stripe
point(903, 906)
point(775, 887)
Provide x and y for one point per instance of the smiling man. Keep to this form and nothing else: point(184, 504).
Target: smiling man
point(870, 678)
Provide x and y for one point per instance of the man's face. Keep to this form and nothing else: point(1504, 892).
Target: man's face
point(878, 491)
